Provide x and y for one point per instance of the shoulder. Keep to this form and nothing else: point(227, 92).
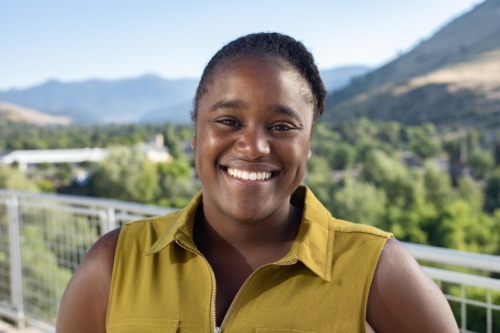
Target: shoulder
point(350, 227)
point(84, 304)
point(157, 222)
point(403, 298)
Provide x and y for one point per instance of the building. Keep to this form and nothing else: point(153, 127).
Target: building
point(154, 151)
point(25, 158)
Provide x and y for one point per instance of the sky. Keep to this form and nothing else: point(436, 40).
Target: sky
point(115, 39)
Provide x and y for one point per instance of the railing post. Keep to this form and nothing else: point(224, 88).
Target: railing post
point(111, 218)
point(107, 220)
point(489, 314)
point(16, 270)
point(463, 308)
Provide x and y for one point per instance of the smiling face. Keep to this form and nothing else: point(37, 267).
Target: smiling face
point(253, 130)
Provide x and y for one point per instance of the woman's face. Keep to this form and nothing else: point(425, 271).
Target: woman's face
point(252, 138)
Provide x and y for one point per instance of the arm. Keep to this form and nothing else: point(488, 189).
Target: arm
point(403, 298)
point(85, 301)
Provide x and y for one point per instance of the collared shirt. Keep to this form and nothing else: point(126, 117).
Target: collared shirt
point(162, 283)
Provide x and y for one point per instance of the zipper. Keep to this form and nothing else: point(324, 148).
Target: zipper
point(214, 284)
point(242, 288)
point(220, 329)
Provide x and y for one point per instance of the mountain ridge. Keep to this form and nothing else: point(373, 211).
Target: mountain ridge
point(102, 101)
point(147, 98)
point(453, 76)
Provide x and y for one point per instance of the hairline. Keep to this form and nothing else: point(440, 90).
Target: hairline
point(281, 61)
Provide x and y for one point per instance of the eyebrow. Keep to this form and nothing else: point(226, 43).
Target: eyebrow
point(228, 104)
point(288, 111)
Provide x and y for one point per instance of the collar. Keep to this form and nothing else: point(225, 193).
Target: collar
point(181, 229)
point(313, 245)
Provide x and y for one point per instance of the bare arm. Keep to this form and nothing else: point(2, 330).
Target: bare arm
point(85, 301)
point(403, 298)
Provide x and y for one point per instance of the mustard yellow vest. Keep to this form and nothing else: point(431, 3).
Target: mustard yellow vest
point(162, 283)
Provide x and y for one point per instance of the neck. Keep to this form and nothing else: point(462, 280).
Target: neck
point(265, 240)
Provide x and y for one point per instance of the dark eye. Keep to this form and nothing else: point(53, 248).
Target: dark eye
point(281, 127)
point(228, 122)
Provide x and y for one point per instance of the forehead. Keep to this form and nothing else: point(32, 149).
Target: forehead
point(260, 75)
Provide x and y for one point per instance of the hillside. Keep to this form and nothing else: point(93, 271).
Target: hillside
point(453, 77)
point(100, 101)
point(18, 113)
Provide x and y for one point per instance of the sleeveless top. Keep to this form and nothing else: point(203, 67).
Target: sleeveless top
point(162, 283)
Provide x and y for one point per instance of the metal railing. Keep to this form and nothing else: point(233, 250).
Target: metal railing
point(456, 286)
point(43, 238)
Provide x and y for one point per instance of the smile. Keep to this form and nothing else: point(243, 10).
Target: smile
point(249, 175)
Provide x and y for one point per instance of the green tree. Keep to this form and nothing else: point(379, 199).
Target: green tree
point(342, 157)
point(126, 174)
point(176, 183)
point(173, 142)
point(496, 148)
point(44, 279)
point(318, 170)
point(12, 178)
point(470, 191)
point(392, 176)
point(319, 179)
point(424, 141)
point(465, 228)
point(360, 202)
point(176, 169)
point(391, 132)
point(411, 224)
point(492, 191)
point(437, 184)
point(481, 162)
point(452, 148)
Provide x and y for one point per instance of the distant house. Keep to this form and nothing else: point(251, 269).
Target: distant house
point(155, 149)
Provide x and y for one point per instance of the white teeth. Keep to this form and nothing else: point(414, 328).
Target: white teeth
point(246, 175)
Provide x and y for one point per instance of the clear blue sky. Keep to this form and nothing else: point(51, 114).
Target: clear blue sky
point(111, 39)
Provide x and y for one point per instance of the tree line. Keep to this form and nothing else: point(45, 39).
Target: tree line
point(427, 185)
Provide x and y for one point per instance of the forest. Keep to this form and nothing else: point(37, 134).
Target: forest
point(427, 185)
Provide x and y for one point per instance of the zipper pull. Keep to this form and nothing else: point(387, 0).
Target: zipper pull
point(217, 329)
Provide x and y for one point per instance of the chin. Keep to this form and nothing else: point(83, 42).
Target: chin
point(248, 215)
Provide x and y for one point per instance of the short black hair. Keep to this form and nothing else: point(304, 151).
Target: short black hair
point(272, 44)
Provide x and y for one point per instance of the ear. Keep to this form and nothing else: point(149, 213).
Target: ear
point(192, 143)
point(309, 153)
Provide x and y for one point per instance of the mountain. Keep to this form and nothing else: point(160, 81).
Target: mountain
point(453, 77)
point(100, 101)
point(21, 114)
point(338, 77)
point(148, 98)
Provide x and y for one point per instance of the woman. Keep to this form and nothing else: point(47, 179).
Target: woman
point(254, 251)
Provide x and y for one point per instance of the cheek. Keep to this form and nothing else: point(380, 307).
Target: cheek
point(296, 153)
point(208, 146)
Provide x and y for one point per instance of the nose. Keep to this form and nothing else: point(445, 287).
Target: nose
point(253, 142)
